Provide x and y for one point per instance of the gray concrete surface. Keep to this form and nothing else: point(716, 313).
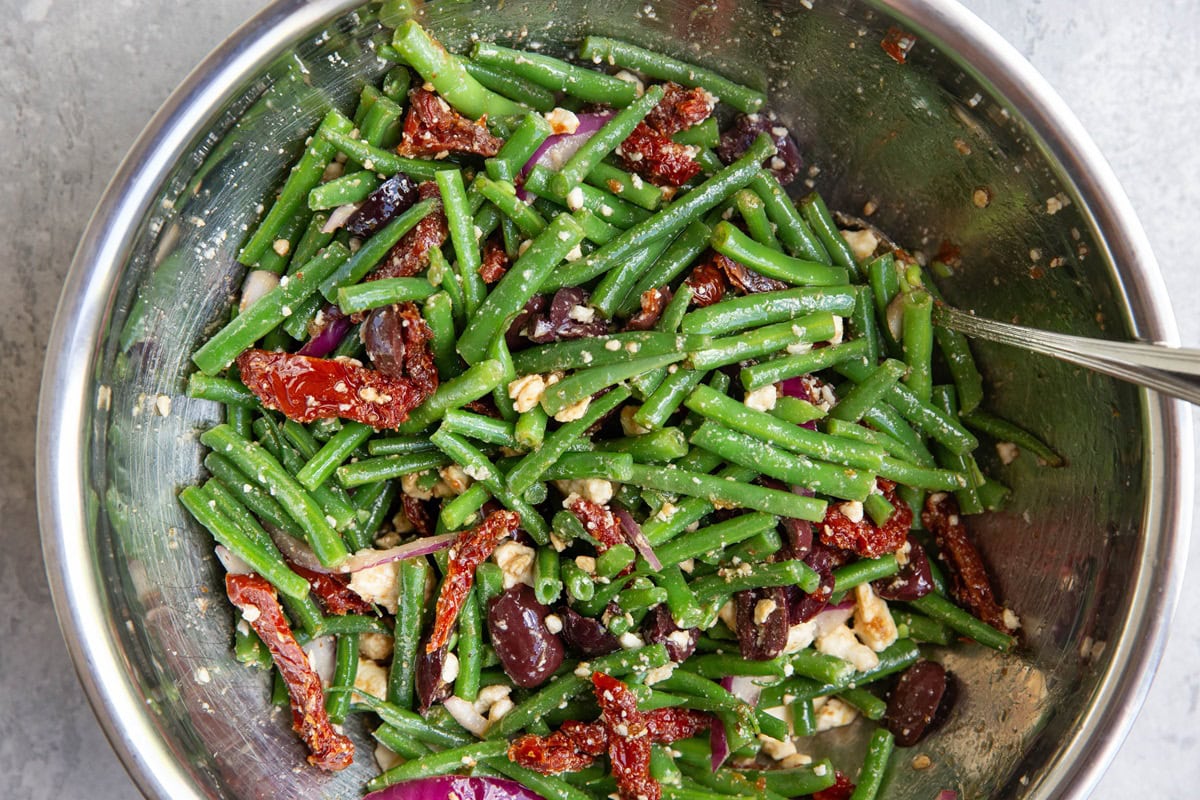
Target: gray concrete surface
point(78, 79)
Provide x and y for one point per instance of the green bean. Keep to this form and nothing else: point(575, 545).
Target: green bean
point(884, 281)
point(703, 134)
point(760, 425)
point(519, 148)
point(336, 450)
point(396, 83)
point(766, 308)
point(993, 494)
point(383, 292)
point(228, 391)
point(533, 465)
point(575, 466)
point(938, 480)
point(262, 504)
point(790, 226)
point(961, 463)
point(587, 382)
point(940, 609)
point(888, 421)
point(729, 241)
point(305, 175)
point(519, 284)
point(256, 462)
point(469, 648)
point(866, 393)
point(796, 411)
point(438, 313)
point(386, 468)
point(819, 219)
point(1004, 431)
point(671, 220)
point(864, 571)
point(477, 426)
point(578, 583)
point(879, 509)
point(921, 628)
point(625, 185)
point(399, 445)
point(402, 744)
point(661, 446)
point(595, 351)
point(267, 312)
point(656, 65)
point(412, 579)
point(547, 583)
point(607, 206)
point(262, 556)
point(384, 161)
point(355, 268)
point(614, 559)
point(441, 763)
point(780, 573)
point(461, 225)
point(821, 667)
point(605, 140)
point(763, 341)
point(870, 777)
point(666, 399)
point(530, 428)
point(918, 342)
point(337, 703)
point(784, 367)
point(478, 380)
point(461, 510)
point(690, 243)
point(411, 723)
point(685, 611)
point(512, 86)
point(373, 503)
point(715, 538)
point(863, 326)
point(349, 188)
point(797, 781)
point(661, 527)
point(549, 787)
point(557, 75)
point(448, 74)
point(490, 580)
point(240, 419)
point(831, 479)
point(753, 212)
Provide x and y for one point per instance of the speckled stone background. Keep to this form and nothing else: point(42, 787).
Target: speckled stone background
point(79, 78)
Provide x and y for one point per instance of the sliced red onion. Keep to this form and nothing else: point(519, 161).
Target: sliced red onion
point(329, 337)
point(258, 282)
point(718, 740)
point(633, 532)
point(558, 149)
point(895, 317)
point(464, 714)
point(831, 619)
point(744, 688)
point(796, 387)
point(463, 788)
point(947, 794)
point(322, 657)
point(339, 217)
point(233, 564)
point(302, 555)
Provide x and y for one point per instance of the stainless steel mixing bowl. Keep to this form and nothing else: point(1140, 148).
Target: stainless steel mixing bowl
point(963, 144)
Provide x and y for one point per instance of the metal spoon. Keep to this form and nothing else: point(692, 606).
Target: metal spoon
point(1174, 371)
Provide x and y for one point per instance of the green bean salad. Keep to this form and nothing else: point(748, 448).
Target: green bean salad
point(602, 465)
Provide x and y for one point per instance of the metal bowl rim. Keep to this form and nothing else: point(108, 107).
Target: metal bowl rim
point(65, 403)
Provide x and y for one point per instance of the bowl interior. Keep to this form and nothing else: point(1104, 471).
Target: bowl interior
point(949, 166)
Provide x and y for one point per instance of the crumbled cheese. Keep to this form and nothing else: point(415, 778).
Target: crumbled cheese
point(1011, 620)
point(835, 713)
point(659, 674)
point(455, 478)
point(281, 247)
point(873, 623)
point(385, 758)
point(852, 510)
point(797, 760)
point(1007, 451)
point(796, 348)
point(628, 424)
point(598, 490)
point(410, 484)
point(516, 562)
point(371, 679)
point(450, 668)
point(377, 646)
point(562, 121)
point(499, 709)
point(728, 615)
point(553, 623)
point(574, 411)
point(776, 749)
point(862, 243)
point(584, 314)
point(575, 198)
point(762, 398)
point(612, 345)
point(631, 641)
point(377, 584)
point(629, 77)
point(527, 391)
point(162, 404)
point(921, 761)
point(842, 643)
point(586, 563)
point(763, 610)
point(839, 331)
point(490, 695)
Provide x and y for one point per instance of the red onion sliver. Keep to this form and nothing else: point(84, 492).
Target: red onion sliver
point(339, 217)
point(947, 794)
point(464, 788)
point(718, 740)
point(633, 532)
point(233, 564)
point(557, 149)
point(744, 688)
point(329, 337)
point(302, 555)
point(796, 387)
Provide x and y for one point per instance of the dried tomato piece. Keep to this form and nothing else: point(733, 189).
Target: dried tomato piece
point(865, 537)
point(549, 755)
point(332, 591)
point(680, 109)
point(590, 737)
point(397, 341)
point(432, 128)
point(469, 551)
point(495, 261)
point(417, 513)
point(305, 388)
point(786, 162)
point(707, 282)
point(410, 255)
point(656, 158)
point(629, 748)
point(598, 521)
point(255, 598)
point(842, 789)
point(970, 583)
point(745, 279)
point(897, 43)
point(654, 302)
point(667, 725)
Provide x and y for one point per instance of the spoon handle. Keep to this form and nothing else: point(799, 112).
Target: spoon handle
point(1171, 370)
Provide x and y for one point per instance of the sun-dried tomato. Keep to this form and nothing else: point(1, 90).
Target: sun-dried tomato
point(667, 725)
point(842, 789)
point(970, 583)
point(495, 260)
point(549, 755)
point(897, 43)
point(432, 128)
point(397, 342)
point(745, 279)
point(707, 282)
point(654, 302)
point(305, 388)
point(417, 513)
point(656, 158)
point(629, 748)
point(598, 521)
point(865, 537)
point(333, 593)
point(410, 255)
point(255, 598)
point(469, 551)
point(680, 109)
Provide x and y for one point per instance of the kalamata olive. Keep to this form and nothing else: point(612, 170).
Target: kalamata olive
point(429, 684)
point(786, 162)
point(558, 323)
point(915, 701)
point(914, 579)
point(763, 618)
point(393, 197)
point(659, 628)
point(527, 649)
point(514, 337)
point(803, 607)
point(707, 282)
point(585, 635)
